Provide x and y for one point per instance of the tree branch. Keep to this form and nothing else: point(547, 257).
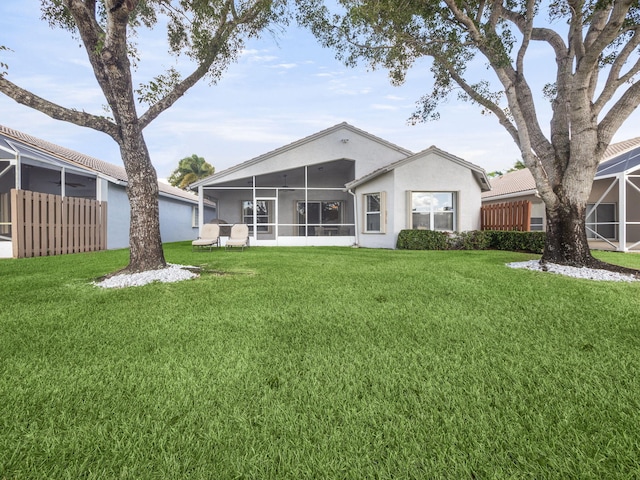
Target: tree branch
point(486, 103)
point(614, 81)
point(216, 44)
point(619, 113)
point(58, 112)
point(601, 37)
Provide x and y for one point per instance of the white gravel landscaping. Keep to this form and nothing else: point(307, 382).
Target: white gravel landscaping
point(588, 273)
point(172, 273)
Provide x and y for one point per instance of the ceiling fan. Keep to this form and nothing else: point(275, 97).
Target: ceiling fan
point(285, 187)
point(68, 184)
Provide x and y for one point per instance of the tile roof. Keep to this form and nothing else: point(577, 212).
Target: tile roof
point(96, 165)
point(521, 181)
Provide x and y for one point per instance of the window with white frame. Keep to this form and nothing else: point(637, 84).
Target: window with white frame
point(602, 221)
point(374, 205)
point(320, 216)
point(433, 210)
point(194, 216)
point(536, 224)
point(262, 214)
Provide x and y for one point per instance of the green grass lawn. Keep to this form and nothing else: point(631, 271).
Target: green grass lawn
point(323, 363)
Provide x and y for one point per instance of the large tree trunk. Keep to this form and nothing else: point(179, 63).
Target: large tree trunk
point(566, 242)
point(144, 232)
point(566, 186)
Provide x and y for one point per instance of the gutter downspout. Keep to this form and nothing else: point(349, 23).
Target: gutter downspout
point(355, 216)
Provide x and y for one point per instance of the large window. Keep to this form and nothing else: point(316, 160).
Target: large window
point(321, 217)
point(373, 212)
point(602, 221)
point(433, 210)
point(262, 214)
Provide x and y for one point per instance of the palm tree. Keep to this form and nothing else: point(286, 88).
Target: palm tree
point(189, 170)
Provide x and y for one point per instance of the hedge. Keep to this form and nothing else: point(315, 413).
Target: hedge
point(515, 241)
point(422, 240)
point(532, 242)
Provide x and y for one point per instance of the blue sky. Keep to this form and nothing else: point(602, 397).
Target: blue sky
point(282, 89)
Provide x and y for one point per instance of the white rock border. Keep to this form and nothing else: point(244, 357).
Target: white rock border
point(172, 273)
point(575, 272)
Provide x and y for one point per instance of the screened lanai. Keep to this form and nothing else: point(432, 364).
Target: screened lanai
point(613, 215)
point(304, 205)
point(26, 168)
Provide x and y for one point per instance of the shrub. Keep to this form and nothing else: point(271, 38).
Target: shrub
point(471, 240)
point(515, 241)
point(422, 240)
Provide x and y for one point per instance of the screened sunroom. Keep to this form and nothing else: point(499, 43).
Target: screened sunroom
point(26, 168)
point(613, 214)
point(304, 205)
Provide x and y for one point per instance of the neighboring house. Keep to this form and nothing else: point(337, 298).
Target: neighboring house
point(28, 163)
point(613, 211)
point(344, 186)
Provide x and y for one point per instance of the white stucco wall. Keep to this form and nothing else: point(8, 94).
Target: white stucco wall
point(429, 172)
point(369, 154)
point(383, 183)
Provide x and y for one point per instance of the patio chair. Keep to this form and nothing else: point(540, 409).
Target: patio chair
point(239, 236)
point(210, 236)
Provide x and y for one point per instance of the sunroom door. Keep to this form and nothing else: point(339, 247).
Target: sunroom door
point(265, 218)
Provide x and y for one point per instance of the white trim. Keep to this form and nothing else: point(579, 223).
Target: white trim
point(18, 173)
point(200, 210)
point(382, 197)
point(622, 214)
point(454, 201)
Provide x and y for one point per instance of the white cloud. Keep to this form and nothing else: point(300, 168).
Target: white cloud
point(286, 66)
point(380, 106)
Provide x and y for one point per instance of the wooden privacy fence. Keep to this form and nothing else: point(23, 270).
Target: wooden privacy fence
point(507, 216)
point(45, 224)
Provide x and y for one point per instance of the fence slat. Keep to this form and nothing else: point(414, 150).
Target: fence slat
point(44, 224)
point(506, 216)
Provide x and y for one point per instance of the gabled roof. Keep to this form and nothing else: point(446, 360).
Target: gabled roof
point(298, 143)
point(618, 157)
point(111, 172)
point(477, 171)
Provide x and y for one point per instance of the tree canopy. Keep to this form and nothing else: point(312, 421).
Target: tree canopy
point(592, 61)
point(203, 36)
point(189, 170)
point(518, 165)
